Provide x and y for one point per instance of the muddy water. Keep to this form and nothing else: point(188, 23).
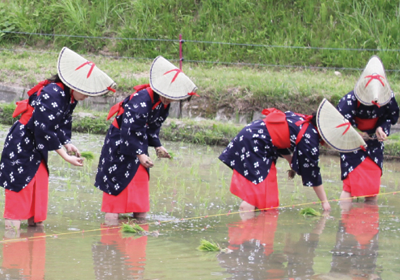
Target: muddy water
point(190, 201)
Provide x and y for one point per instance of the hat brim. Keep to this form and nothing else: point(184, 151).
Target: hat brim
point(336, 130)
point(169, 81)
point(373, 87)
point(82, 75)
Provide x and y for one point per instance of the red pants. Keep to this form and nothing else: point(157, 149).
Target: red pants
point(364, 180)
point(134, 198)
point(263, 195)
point(30, 201)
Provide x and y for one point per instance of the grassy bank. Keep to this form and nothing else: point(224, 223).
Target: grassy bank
point(236, 90)
point(207, 132)
point(204, 132)
point(304, 24)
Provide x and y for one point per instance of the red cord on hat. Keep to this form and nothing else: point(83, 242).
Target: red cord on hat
point(111, 89)
point(363, 148)
point(193, 93)
point(343, 124)
point(376, 103)
point(374, 77)
point(91, 68)
point(178, 71)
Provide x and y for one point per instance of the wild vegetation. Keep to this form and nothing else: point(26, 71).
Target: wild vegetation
point(246, 35)
point(364, 25)
point(227, 47)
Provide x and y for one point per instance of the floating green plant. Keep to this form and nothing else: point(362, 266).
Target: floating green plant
point(207, 246)
point(87, 155)
point(134, 228)
point(309, 212)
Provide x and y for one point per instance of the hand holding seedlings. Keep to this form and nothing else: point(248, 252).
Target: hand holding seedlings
point(291, 173)
point(77, 161)
point(162, 152)
point(145, 161)
point(72, 150)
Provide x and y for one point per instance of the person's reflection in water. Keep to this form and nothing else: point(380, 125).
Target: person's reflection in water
point(119, 255)
point(301, 254)
point(253, 255)
point(356, 250)
point(25, 258)
point(251, 241)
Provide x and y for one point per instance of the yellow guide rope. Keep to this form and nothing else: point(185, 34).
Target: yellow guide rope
point(182, 219)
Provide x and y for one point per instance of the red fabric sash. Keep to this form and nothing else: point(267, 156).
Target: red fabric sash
point(23, 106)
point(119, 110)
point(305, 123)
point(278, 128)
point(365, 124)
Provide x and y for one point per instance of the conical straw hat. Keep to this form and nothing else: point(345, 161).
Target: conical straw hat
point(373, 88)
point(336, 130)
point(82, 75)
point(169, 81)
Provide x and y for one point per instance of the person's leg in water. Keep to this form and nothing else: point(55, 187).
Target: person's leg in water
point(12, 224)
point(31, 222)
point(345, 196)
point(140, 216)
point(111, 216)
point(371, 199)
point(246, 207)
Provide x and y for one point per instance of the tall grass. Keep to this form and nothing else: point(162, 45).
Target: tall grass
point(371, 24)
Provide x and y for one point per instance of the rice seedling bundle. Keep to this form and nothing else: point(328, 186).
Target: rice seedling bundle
point(308, 211)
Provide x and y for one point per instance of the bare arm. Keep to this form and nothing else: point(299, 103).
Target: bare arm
point(320, 192)
point(288, 158)
point(291, 172)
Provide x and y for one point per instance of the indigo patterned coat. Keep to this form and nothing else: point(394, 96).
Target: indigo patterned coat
point(355, 112)
point(251, 152)
point(28, 141)
point(135, 128)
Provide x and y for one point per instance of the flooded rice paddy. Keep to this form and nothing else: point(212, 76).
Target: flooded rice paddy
point(190, 201)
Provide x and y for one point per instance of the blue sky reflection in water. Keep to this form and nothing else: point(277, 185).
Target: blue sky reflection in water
point(190, 200)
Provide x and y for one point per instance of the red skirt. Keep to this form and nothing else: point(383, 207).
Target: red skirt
point(134, 198)
point(263, 196)
point(364, 180)
point(30, 201)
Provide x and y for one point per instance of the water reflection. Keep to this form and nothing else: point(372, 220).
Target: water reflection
point(253, 257)
point(251, 241)
point(118, 255)
point(356, 250)
point(23, 258)
point(301, 253)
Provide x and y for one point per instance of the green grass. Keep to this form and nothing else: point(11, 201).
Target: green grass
point(231, 91)
point(206, 132)
point(367, 24)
